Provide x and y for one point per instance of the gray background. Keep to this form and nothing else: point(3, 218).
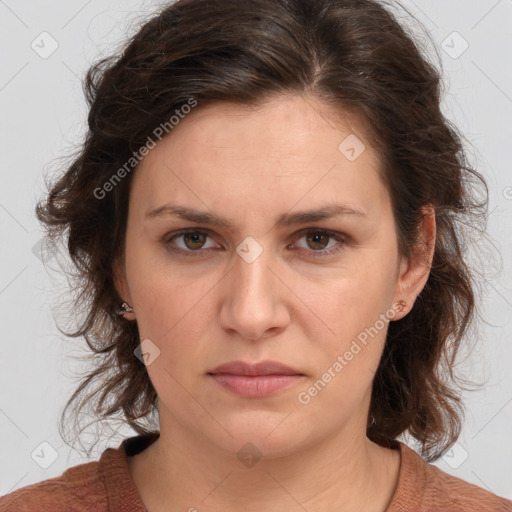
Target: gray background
point(44, 115)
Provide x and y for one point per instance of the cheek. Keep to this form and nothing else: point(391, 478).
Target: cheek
point(160, 298)
point(349, 304)
point(355, 309)
point(174, 311)
point(345, 363)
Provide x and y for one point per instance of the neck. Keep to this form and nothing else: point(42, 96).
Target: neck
point(346, 472)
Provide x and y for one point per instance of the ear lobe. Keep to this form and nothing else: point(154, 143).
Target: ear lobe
point(414, 271)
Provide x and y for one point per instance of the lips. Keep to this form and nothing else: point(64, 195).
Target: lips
point(257, 380)
point(262, 368)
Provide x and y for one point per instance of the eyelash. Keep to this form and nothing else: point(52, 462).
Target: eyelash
point(167, 239)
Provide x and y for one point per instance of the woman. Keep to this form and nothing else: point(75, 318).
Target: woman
point(264, 216)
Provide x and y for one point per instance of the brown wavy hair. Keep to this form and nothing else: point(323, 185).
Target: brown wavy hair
point(358, 58)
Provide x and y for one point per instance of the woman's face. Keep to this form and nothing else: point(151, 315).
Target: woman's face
point(269, 283)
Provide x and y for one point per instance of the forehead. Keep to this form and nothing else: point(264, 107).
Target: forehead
point(302, 116)
point(288, 149)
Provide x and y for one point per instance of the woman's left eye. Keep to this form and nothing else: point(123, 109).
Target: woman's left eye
point(317, 241)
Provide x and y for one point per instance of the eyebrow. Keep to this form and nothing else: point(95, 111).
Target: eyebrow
point(286, 219)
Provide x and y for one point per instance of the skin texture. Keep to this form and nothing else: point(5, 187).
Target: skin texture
point(251, 166)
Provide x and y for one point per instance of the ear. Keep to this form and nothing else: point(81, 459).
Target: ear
point(121, 286)
point(414, 271)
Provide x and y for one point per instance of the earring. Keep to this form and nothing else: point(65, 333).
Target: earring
point(401, 305)
point(125, 308)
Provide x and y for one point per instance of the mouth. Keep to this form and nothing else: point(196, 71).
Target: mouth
point(255, 380)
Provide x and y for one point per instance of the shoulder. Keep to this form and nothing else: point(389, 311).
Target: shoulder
point(425, 487)
point(100, 486)
point(80, 488)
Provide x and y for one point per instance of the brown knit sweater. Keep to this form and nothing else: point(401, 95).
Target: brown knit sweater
point(106, 485)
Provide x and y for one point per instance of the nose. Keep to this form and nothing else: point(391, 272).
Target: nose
point(254, 298)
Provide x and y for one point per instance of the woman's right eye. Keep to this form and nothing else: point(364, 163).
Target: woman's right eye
point(192, 242)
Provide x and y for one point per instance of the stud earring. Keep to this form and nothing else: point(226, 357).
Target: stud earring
point(401, 305)
point(125, 307)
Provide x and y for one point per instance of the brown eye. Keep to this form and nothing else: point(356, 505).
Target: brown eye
point(190, 243)
point(319, 243)
point(317, 240)
point(194, 240)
